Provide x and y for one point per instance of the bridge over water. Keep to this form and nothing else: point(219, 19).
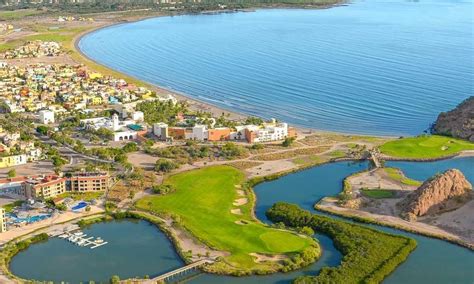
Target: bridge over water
point(177, 272)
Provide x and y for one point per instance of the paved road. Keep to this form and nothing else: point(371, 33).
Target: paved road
point(65, 151)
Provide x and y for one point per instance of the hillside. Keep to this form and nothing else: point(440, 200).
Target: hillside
point(441, 193)
point(458, 123)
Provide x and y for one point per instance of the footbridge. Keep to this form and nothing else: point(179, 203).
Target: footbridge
point(177, 272)
point(375, 159)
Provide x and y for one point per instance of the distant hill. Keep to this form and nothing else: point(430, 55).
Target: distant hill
point(458, 123)
point(89, 6)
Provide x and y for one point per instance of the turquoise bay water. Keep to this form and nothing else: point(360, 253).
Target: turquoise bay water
point(373, 67)
point(433, 261)
point(135, 248)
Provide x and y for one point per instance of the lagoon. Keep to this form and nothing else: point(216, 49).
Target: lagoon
point(433, 261)
point(135, 248)
point(373, 67)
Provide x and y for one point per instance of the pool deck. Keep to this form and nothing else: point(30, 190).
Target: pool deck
point(48, 225)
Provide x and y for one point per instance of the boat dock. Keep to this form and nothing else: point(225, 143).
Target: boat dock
point(82, 240)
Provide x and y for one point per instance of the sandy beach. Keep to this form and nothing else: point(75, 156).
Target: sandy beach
point(194, 104)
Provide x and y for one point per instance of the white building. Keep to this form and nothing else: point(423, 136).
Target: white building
point(46, 116)
point(3, 223)
point(137, 116)
point(120, 128)
point(34, 154)
point(161, 130)
point(271, 132)
point(125, 135)
point(200, 133)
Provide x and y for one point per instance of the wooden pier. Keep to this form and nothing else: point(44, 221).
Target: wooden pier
point(82, 240)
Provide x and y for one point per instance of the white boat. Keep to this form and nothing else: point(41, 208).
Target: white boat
point(79, 234)
point(99, 241)
point(63, 236)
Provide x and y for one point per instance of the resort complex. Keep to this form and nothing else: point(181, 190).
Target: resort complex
point(45, 187)
point(267, 132)
point(270, 145)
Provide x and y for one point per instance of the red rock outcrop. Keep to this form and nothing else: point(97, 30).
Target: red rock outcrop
point(442, 192)
point(458, 123)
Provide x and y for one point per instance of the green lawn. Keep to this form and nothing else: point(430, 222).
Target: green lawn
point(378, 193)
point(9, 207)
point(337, 154)
point(86, 196)
point(203, 201)
point(18, 14)
point(397, 175)
point(427, 146)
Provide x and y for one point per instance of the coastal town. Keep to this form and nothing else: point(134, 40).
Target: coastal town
point(82, 145)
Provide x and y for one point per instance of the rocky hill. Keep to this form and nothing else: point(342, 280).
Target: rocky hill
point(443, 192)
point(458, 123)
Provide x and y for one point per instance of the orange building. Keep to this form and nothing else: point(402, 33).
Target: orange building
point(177, 132)
point(292, 132)
point(219, 134)
point(89, 182)
point(250, 135)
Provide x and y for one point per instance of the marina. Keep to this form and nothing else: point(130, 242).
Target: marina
point(83, 240)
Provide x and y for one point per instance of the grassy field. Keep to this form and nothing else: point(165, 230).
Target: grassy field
point(64, 36)
point(203, 201)
point(429, 146)
point(9, 207)
point(86, 196)
point(396, 174)
point(19, 14)
point(377, 193)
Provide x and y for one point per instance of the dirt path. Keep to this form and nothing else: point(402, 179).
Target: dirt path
point(330, 205)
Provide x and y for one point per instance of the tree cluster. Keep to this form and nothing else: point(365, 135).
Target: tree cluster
point(368, 255)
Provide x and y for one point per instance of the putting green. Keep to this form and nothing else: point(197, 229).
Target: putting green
point(427, 146)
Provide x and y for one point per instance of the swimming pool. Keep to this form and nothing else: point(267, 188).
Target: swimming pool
point(79, 206)
point(29, 219)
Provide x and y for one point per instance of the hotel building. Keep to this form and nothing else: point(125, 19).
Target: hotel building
point(44, 187)
point(88, 182)
point(3, 223)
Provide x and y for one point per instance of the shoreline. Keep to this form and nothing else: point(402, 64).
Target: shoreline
point(196, 104)
point(371, 219)
point(252, 182)
point(193, 103)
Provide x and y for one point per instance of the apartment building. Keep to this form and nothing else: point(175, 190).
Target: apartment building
point(3, 223)
point(11, 161)
point(44, 187)
point(88, 182)
point(266, 132)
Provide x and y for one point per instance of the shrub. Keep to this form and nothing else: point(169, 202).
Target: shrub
point(257, 146)
point(114, 279)
point(165, 166)
point(130, 147)
point(43, 130)
point(11, 173)
point(288, 141)
point(163, 189)
point(231, 150)
point(306, 231)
